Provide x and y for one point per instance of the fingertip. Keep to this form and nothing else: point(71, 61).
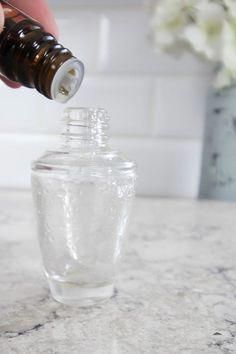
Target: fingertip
point(13, 85)
point(10, 83)
point(52, 28)
point(40, 11)
point(1, 18)
point(51, 25)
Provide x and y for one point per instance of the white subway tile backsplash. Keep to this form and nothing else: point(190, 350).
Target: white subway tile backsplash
point(117, 41)
point(55, 3)
point(165, 167)
point(26, 111)
point(131, 50)
point(180, 105)
point(18, 109)
point(18, 151)
point(79, 31)
point(126, 98)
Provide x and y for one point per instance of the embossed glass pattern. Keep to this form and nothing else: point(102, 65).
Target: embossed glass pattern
point(83, 193)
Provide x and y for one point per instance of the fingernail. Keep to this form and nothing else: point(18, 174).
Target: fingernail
point(1, 18)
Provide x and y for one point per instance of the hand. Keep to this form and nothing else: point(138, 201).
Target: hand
point(38, 9)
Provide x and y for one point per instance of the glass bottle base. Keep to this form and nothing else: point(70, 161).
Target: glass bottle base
point(75, 295)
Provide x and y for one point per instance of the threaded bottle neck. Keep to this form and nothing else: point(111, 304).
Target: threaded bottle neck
point(85, 127)
point(35, 59)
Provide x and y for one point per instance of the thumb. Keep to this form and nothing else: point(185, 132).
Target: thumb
point(1, 18)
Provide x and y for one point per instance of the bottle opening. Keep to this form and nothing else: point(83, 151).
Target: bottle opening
point(67, 80)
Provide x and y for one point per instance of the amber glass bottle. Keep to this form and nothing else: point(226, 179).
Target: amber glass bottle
point(34, 58)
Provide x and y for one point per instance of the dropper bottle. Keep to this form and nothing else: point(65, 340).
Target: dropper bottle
point(34, 58)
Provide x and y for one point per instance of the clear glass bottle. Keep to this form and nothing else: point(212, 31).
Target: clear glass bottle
point(83, 194)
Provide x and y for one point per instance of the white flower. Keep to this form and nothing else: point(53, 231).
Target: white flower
point(210, 17)
point(231, 4)
point(168, 21)
point(227, 74)
point(229, 48)
point(205, 36)
point(223, 78)
point(208, 27)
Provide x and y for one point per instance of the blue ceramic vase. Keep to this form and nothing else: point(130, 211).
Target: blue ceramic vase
point(218, 177)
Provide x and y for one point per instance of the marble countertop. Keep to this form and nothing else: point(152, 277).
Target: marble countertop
point(176, 292)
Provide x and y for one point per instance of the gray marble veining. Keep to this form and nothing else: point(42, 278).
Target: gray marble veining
point(176, 292)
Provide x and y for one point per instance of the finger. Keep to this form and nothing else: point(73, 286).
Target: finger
point(1, 18)
point(9, 83)
point(39, 10)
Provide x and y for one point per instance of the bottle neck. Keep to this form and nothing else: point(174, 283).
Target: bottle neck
point(85, 128)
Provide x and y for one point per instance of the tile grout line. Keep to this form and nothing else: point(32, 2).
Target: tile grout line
point(141, 138)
